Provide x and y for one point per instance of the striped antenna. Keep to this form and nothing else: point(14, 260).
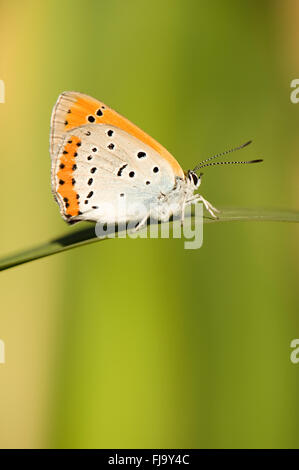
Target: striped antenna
point(222, 154)
point(229, 163)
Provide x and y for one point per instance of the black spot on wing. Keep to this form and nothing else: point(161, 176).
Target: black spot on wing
point(119, 173)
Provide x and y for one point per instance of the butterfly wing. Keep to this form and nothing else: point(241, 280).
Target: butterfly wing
point(99, 159)
point(76, 109)
point(101, 168)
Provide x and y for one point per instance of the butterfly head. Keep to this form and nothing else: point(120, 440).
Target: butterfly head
point(193, 179)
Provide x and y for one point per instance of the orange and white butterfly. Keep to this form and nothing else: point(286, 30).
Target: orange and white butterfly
point(99, 158)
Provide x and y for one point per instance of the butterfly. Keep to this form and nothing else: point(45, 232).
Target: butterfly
point(104, 166)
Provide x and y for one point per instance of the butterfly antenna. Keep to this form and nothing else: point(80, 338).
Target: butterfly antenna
point(222, 154)
point(230, 163)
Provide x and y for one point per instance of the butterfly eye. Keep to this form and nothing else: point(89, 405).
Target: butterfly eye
point(193, 178)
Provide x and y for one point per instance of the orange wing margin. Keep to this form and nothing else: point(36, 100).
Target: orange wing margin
point(76, 109)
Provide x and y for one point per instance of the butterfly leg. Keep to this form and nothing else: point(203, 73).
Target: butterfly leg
point(198, 198)
point(211, 209)
point(214, 209)
point(185, 203)
point(192, 200)
point(183, 214)
point(141, 223)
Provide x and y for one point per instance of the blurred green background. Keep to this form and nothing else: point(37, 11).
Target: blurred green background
point(140, 343)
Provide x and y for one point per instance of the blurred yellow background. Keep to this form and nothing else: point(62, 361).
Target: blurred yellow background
point(140, 343)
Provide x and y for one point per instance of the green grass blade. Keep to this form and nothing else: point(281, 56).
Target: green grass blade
point(87, 235)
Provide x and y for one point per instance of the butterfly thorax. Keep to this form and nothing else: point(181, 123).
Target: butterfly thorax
point(174, 202)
